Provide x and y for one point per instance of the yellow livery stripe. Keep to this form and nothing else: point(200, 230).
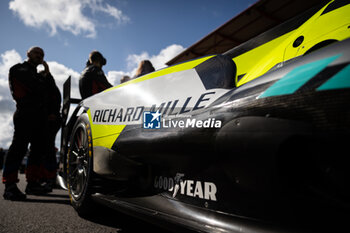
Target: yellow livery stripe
point(104, 135)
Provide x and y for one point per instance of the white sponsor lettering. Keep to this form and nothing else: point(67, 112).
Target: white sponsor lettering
point(209, 191)
point(197, 189)
point(191, 123)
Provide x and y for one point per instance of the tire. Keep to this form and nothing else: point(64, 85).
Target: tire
point(80, 167)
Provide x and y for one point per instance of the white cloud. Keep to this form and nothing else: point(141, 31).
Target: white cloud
point(166, 55)
point(96, 5)
point(115, 76)
point(133, 60)
point(7, 105)
point(6, 129)
point(8, 59)
point(158, 60)
point(66, 15)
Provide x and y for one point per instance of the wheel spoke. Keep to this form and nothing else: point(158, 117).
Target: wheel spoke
point(82, 179)
point(79, 162)
point(84, 171)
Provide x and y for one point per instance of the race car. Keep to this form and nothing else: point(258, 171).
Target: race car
point(192, 146)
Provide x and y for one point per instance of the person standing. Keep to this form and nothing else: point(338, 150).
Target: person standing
point(145, 67)
point(30, 124)
point(49, 164)
point(125, 79)
point(93, 79)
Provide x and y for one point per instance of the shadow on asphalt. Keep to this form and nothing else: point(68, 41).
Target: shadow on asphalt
point(103, 215)
point(38, 200)
point(51, 196)
point(112, 218)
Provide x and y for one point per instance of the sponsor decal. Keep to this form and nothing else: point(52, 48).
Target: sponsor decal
point(134, 114)
point(192, 188)
point(151, 120)
point(117, 115)
point(192, 123)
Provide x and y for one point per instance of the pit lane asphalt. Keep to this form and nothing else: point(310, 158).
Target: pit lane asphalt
point(53, 213)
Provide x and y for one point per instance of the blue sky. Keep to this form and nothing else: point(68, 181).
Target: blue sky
point(125, 31)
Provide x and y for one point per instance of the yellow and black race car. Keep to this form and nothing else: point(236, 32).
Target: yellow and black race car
point(252, 140)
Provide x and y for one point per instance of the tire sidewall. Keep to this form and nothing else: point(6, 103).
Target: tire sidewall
point(83, 203)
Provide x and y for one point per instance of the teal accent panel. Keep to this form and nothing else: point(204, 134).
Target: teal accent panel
point(297, 77)
point(339, 80)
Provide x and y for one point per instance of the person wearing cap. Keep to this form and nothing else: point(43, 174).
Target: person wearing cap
point(93, 79)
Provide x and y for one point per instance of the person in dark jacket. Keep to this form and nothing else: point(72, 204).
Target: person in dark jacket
point(93, 79)
point(30, 124)
point(49, 163)
point(42, 173)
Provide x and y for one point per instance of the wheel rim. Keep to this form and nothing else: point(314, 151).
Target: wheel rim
point(79, 162)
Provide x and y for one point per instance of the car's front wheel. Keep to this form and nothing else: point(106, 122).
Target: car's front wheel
point(80, 166)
